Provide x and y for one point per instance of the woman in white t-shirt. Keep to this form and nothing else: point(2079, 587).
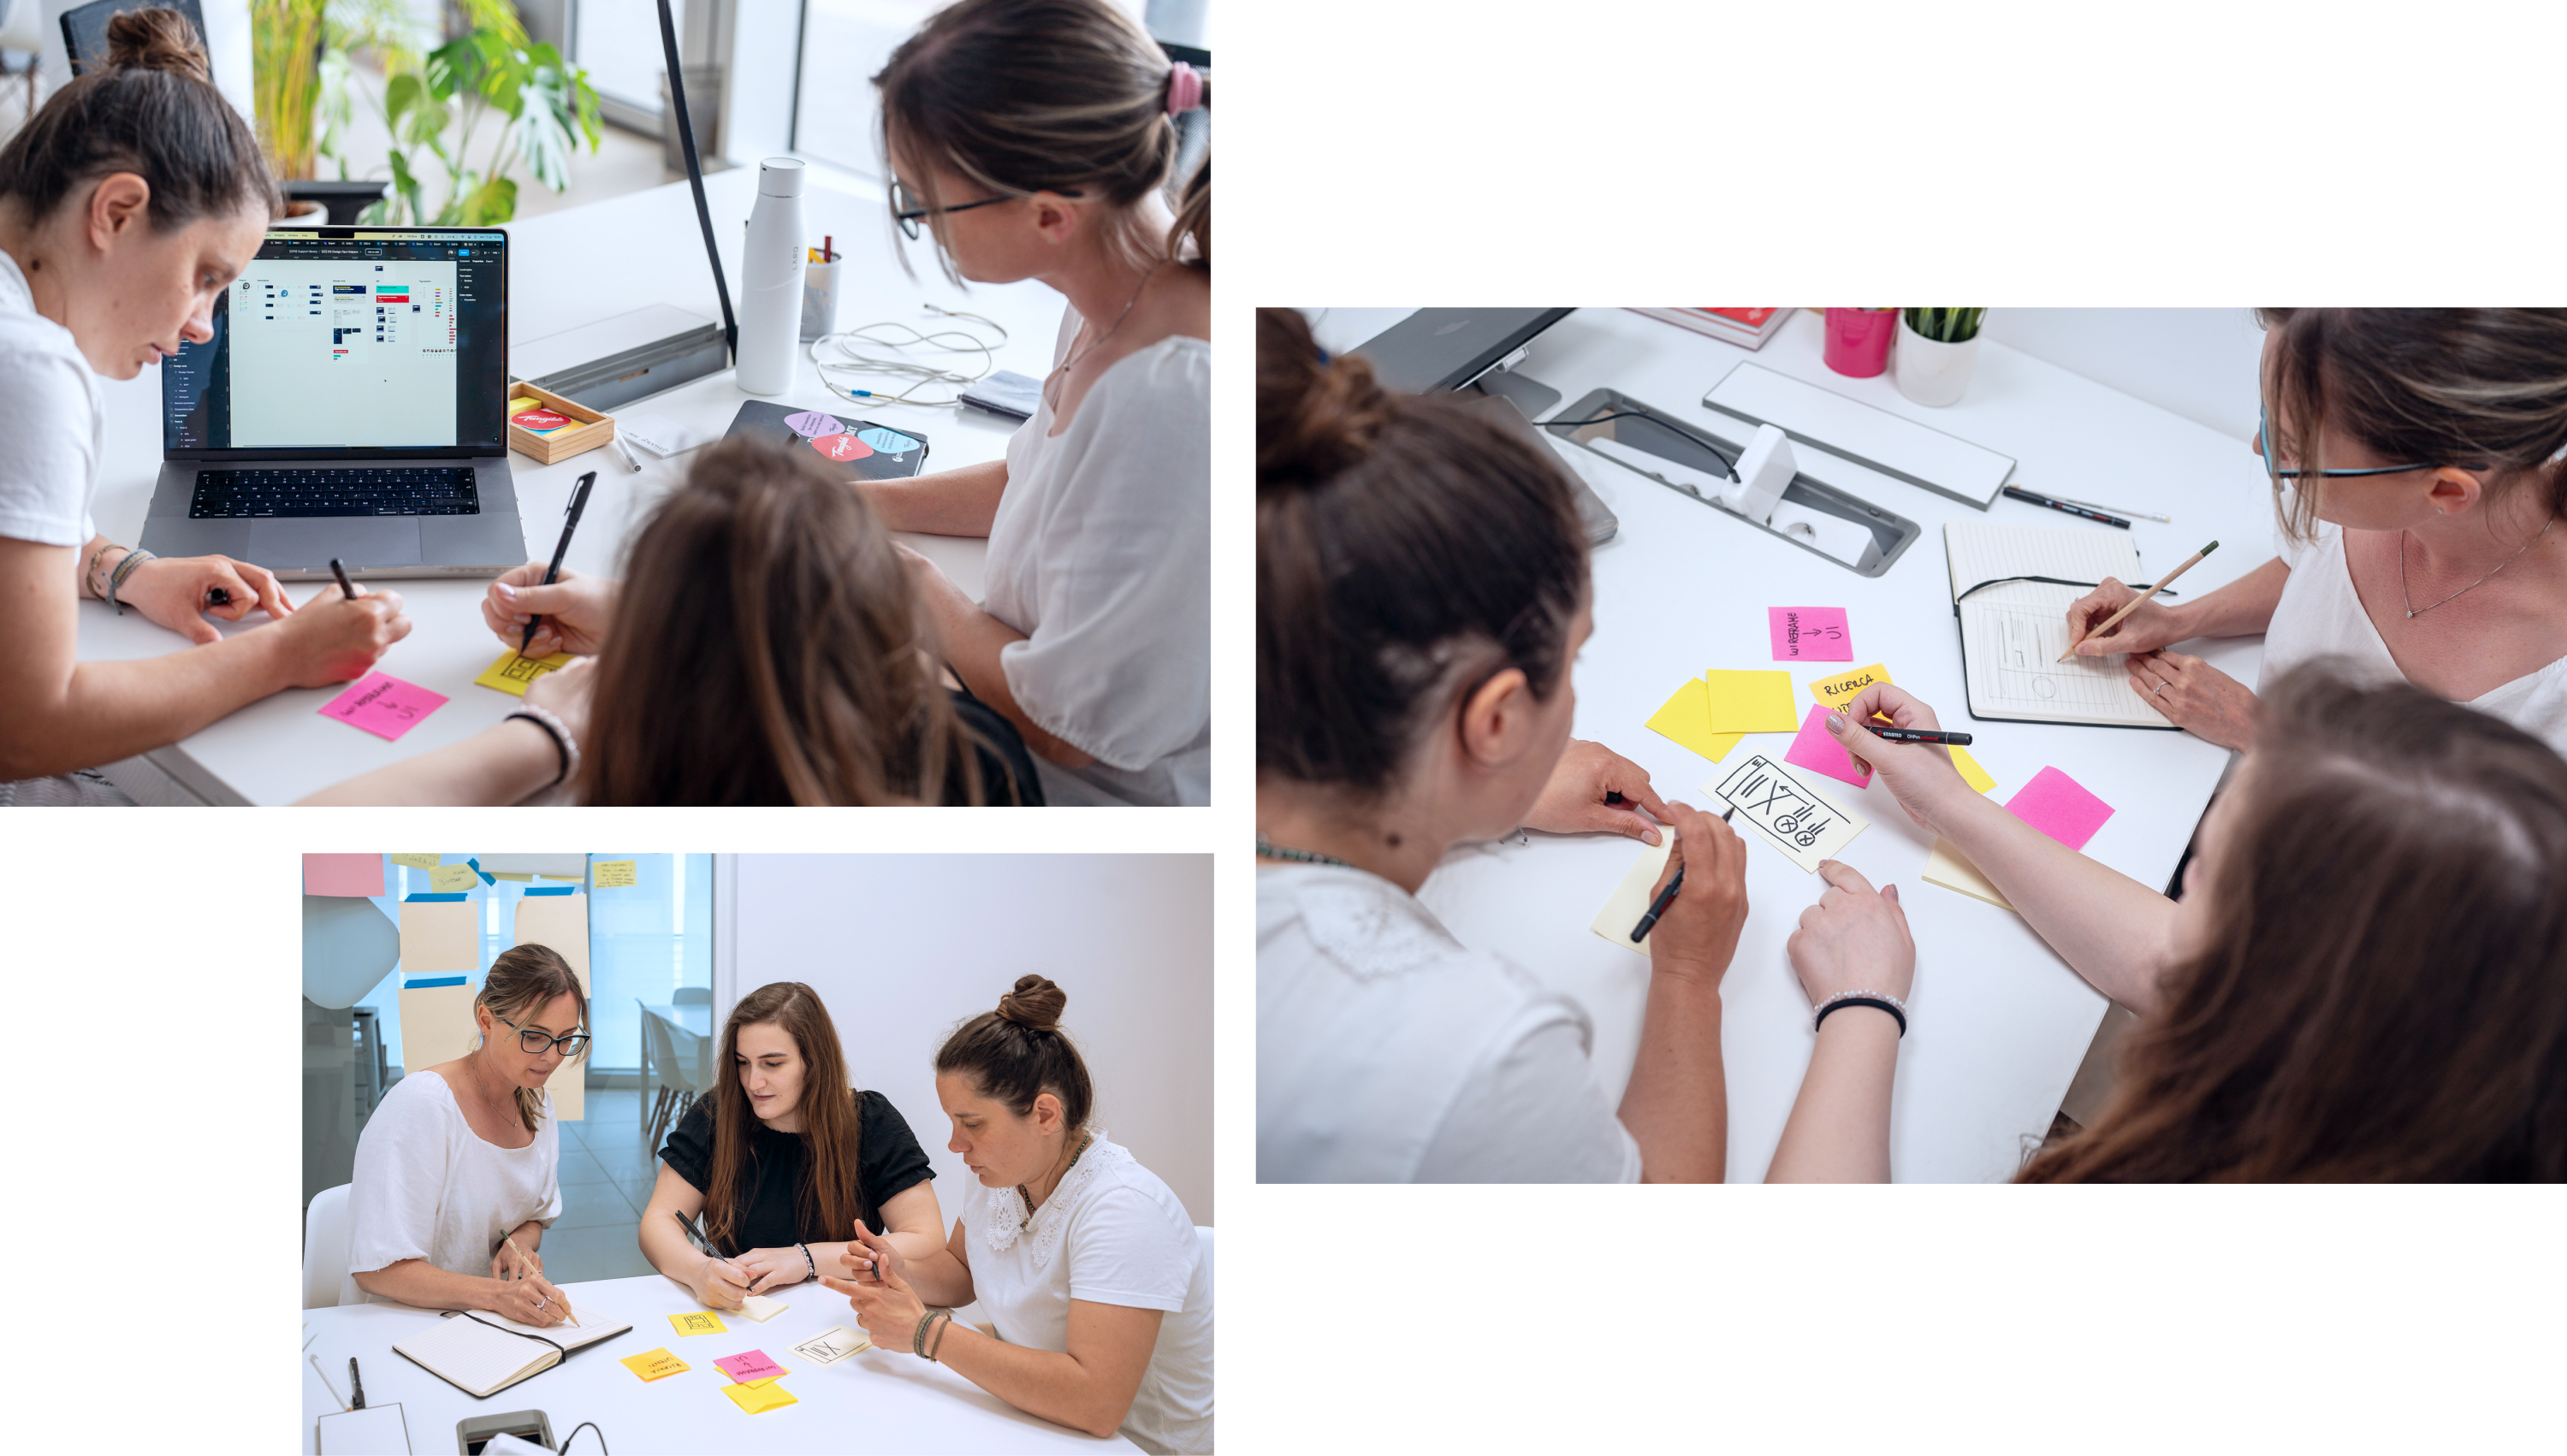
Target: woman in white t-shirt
point(2419, 460)
point(1097, 1287)
point(1034, 139)
point(458, 1169)
point(127, 205)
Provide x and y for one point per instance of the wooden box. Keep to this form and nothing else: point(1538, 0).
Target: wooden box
point(561, 444)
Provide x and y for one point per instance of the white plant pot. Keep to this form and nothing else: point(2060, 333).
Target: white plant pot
point(1929, 371)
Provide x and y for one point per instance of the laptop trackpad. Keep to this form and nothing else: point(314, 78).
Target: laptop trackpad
point(307, 543)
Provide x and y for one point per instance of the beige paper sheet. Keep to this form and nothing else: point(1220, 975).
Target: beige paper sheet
point(1631, 897)
point(558, 866)
point(1946, 867)
point(562, 923)
point(439, 938)
point(436, 1025)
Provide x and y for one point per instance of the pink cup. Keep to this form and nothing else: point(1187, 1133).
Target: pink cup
point(1858, 340)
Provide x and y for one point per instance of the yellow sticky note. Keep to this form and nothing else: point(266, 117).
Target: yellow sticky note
point(504, 875)
point(1622, 914)
point(1977, 778)
point(1946, 867)
point(447, 877)
point(702, 1322)
point(524, 403)
point(1686, 717)
point(652, 1364)
point(764, 1395)
point(1839, 690)
point(511, 673)
point(1749, 703)
point(615, 874)
point(417, 861)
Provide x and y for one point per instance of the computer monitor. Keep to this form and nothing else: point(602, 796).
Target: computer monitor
point(1448, 348)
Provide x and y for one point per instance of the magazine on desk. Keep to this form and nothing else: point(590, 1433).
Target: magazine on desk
point(2013, 630)
point(482, 1354)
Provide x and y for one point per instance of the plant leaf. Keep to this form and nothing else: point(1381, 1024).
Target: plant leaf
point(494, 201)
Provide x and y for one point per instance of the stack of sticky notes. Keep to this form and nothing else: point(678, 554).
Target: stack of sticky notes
point(753, 1375)
point(1710, 714)
point(528, 414)
point(2052, 804)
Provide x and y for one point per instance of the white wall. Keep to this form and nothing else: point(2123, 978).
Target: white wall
point(2199, 363)
point(227, 49)
point(904, 947)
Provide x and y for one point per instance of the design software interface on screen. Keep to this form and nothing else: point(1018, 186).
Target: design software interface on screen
point(359, 343)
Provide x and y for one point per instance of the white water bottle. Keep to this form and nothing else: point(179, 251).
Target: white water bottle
point(770, 285)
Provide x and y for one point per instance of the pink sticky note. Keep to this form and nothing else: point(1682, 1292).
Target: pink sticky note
point(2057, 807)
point(384, 706)
point(1818, 748)
point(342, 874)
point(747, 1365)
point(1810, 634)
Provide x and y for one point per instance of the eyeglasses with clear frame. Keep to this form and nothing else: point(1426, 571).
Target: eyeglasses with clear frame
point(908, 210)
point(536, 1043)
point(2272, 461)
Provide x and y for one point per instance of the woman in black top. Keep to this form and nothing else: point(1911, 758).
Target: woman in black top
point(781, 1178)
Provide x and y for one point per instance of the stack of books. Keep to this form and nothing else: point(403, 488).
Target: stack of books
point(1747, 328)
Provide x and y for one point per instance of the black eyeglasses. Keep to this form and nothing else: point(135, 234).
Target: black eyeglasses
point(2272, 461)
point(907, 209)
point(536, 1043)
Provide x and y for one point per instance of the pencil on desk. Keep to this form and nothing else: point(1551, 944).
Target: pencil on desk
point(2133, 604)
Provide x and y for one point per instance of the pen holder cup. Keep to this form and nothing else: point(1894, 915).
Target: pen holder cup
point(820, 298)
point(1857, 340)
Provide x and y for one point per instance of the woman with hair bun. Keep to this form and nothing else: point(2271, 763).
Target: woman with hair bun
point(128, 203)
point(1087, 1264)
point(1421, 592)
point(458, 1169)
point(1035, 139)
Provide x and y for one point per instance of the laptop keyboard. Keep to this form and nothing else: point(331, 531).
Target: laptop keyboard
point(270, 491)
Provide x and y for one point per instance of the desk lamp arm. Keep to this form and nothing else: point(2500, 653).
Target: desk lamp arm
point(696, 175)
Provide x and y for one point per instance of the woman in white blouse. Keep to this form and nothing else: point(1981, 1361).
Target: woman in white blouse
point(2425, 455)
point(1087, 1264)
point(458, 1169)
point(1034, 139)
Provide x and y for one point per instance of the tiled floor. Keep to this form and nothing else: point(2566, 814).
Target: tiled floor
point(606, 1173)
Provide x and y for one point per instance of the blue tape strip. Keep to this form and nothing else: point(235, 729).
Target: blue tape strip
point(484, 874)
point(425, 895)
point(550, 888)
point(424, 982)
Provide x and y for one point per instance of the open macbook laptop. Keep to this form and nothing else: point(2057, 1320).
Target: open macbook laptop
point(351, 403)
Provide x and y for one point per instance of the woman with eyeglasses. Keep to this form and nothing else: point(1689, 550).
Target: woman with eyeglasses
point(784, 1162)
point(1034, 139)
point(2418, 459)
point(458, 1168)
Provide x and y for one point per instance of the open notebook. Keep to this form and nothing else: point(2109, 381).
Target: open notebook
point(2012, 633)
point(484, 1354)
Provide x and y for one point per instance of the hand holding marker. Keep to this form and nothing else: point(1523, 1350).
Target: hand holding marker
point(1667, 896)
point(552, 574)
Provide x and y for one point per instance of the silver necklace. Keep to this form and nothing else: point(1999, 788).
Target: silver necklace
point(1061, 370)
point(2414, 611)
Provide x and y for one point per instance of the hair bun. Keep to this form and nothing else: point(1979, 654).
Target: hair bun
point(1034, 1005)
point(157, 39)
point(1316, 417)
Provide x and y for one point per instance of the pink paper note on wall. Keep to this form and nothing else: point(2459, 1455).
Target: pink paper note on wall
point(342, 874)
point(2057, 807)
point(384, 706)
point(1819, 750)
point(1810, 634)
point(748, 1365)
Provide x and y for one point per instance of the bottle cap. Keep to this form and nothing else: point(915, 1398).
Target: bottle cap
point(780, 177)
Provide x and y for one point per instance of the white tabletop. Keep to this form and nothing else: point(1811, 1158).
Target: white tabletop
point(1998, 1022)
point(874, 1401)
point(570, 268)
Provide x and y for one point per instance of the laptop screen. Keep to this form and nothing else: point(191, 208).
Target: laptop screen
point(347, 340)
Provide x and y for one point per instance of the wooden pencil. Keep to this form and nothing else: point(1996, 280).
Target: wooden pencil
point(2133, 604)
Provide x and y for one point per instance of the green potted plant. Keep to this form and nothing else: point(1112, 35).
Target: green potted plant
point(1937, 349)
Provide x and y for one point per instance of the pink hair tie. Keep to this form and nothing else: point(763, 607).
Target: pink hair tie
point(1185, 89)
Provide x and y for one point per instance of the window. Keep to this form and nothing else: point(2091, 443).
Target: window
point(844, 42)
point(617, 43)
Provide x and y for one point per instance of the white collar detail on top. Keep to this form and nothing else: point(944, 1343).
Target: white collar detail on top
point(1369, 926)
point(1007, 1206)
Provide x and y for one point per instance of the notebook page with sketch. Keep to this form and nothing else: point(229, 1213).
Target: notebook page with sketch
point(480, 1354)
point(2012, 633)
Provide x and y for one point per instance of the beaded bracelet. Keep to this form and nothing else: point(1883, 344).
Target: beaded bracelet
point(568, 748)
point(1897, 1010)
point(124, 569)
point(806, 1259)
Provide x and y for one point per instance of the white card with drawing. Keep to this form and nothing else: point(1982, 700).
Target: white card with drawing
point(1787, 812)
point(832, 1345)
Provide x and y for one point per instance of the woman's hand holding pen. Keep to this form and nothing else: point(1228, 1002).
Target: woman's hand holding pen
point(888, 1308)
point(772, 1269)
point(177, 592)
point(1594, 790)
point(531, 1300)
point(720, 1284)
point(1919, 776)
point(577, 610)
point(515, 1261)
point(335, 637)
point(2152, 626)
point(871, 1255)
point(1699, 932)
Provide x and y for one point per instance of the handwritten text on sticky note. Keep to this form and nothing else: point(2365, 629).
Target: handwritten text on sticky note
point(652, 1364)
point(702, 1322)
point(417, 861)
point(384, 704)
point(747, 1365)
point(615, 874)
point(1842, 689)
point(450, 877)
point(1810, 634)
point(511, 673)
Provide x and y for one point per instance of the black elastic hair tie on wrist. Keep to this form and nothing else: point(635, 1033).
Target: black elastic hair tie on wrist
point(1835, 1007)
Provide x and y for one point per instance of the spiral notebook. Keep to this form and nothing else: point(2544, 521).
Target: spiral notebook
point(2013, 630)
point(482, 1354)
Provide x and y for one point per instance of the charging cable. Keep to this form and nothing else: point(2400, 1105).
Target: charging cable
point(885, 350)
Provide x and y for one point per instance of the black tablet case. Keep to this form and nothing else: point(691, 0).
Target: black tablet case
point(758, 420)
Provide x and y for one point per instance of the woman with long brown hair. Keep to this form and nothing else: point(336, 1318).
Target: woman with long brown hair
point(784, 1161)
point(2418, 462)
point(2365, 979)
point(460, 1166)
point(774, 652)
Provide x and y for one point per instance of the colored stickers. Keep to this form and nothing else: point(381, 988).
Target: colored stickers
point(653, 1364)
point(2060, 807)
point(842, 447)
point(702, 1322)
point(511, 673)
point(748, 1365)
point(1810, 634)
point(541, 422)
point(889, 441)
point(813, 424)
point(384, 704)
point(1817, 750)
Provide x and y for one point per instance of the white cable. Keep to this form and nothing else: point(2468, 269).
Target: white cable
point(849, 348)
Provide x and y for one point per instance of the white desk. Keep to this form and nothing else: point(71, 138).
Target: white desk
point(874, 1401)
point(569, 269)
point(1999, 1022)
